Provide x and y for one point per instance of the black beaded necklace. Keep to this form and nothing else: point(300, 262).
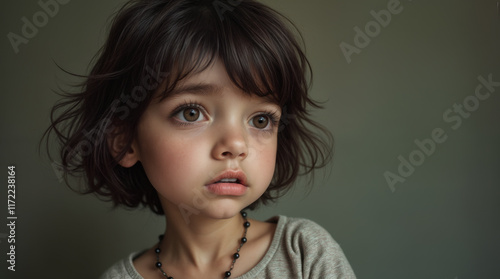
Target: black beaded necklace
point(236, 255)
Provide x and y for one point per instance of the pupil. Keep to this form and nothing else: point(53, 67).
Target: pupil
point(260, 122)
point(191, 114)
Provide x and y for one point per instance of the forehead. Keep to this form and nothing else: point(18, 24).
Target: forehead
point(212, 79)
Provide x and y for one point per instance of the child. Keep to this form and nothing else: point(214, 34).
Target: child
point(197, 109)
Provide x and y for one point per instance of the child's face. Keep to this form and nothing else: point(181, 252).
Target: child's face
point(188, 139)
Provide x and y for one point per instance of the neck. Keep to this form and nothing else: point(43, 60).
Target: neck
point(202, 241)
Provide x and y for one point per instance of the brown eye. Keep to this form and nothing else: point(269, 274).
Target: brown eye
point(260, 121)
point(191, 114)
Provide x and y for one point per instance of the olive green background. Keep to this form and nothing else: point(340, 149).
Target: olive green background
point(442, 222)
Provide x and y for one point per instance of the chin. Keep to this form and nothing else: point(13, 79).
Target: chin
point(224, 210)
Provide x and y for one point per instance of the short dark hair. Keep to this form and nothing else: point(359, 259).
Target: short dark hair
point(153, 42)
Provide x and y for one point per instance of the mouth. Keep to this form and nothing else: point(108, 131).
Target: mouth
point(229, 180)
point(228, 183)
point(230, 176)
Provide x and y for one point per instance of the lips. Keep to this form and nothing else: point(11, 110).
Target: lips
point(228, 183)
point(228, 176)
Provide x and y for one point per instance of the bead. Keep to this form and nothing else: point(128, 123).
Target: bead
point(170, 277)
point(246, 224)
point(244, 239)
point(227, 274)
point(157, 250)
point(158, 264)
point(236, 255)
point(244, 214)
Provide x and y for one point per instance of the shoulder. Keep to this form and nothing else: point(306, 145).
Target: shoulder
point(309, 245)
point(301, 226)
point(305, 231)
point(123, 269)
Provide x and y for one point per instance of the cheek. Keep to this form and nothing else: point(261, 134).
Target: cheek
point(268, 157)
point(262, 157)
point(171, 163)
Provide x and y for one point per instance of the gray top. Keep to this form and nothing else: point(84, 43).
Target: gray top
point(300, 249)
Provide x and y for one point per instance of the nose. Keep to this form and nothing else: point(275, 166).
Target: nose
point(231, 143)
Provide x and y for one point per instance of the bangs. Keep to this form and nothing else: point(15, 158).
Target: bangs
point(259, 54)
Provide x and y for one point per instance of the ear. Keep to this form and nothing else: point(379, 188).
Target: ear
point(117, 143)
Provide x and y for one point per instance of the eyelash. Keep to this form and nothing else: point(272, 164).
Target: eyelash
point(273, 116)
